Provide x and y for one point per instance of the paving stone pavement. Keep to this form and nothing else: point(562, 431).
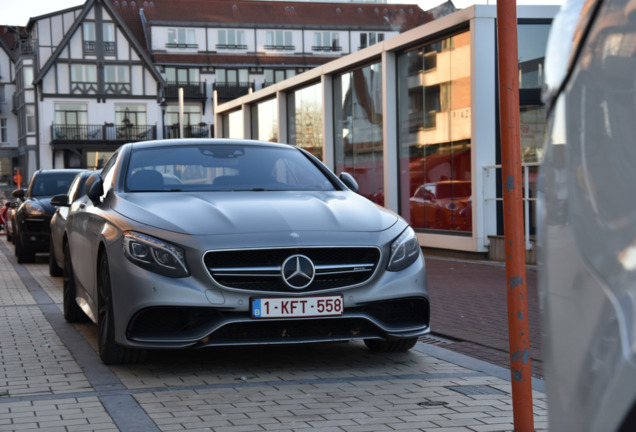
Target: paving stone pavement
point(52, 379)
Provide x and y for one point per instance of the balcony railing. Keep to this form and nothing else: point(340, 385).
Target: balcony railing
point(228, 90)
point(327, 48)
point(193, 90)
point(280, 47)
point(106, 133)
point(189, 131)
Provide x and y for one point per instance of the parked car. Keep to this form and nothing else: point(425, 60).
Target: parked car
point(587, 230)
point(31, 230)
point(446, 204)
point(9, 222)
point(196, 243)
point(58, 221)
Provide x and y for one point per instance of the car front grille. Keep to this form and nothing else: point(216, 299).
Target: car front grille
point(260, 269)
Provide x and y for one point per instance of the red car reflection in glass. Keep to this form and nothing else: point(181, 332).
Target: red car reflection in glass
point(444, 205)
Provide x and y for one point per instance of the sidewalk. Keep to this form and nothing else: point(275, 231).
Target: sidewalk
point(469, 310)
point(52, 379)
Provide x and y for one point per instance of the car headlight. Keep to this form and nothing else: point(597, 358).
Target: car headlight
point(404, 251)
point(155, 255)
point(32, 209)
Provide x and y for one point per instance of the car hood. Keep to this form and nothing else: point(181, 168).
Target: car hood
point(210, 213)
point(44, 202)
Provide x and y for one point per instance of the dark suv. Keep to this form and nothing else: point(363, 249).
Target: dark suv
point(33, 215)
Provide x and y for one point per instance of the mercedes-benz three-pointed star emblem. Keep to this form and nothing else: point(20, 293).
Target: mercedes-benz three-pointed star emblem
point(298, 272)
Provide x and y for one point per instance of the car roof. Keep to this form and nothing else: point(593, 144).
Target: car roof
point(204, 141)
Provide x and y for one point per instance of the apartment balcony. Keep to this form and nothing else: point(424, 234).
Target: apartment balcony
point(231, 90)
point(106, 134)
point(191, 91)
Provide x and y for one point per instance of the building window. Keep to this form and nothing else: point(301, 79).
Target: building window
point(279, 40)
point(326, 41)
point(231, 40)
point(181, 38)
point(2, 95)
point(109, 38)
point(232, 77)
point(71, 121)
point(28, 76)
point(305, 119)
point(130, 121)
point(277, 75)
point(116, 79)
point(265, 121)
point(89, 37)
point(30, 119)
point(434, 135)
point(83, 79)
point(182, 75)
point(370, 38)
point(4, 135)
point(358, 129)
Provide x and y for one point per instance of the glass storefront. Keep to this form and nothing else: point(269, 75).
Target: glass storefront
point(233, 125)
point(304, 119)
point(358, 122)
point(434, 116)
point(265, 121)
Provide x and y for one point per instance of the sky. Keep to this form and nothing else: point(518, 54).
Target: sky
point(18, 12)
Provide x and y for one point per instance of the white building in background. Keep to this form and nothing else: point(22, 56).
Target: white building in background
point(86, 79)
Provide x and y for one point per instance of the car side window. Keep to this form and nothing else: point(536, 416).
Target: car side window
point(108, 172)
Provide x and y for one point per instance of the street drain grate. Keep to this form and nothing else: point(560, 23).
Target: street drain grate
point(435, 340)
point(477, 390)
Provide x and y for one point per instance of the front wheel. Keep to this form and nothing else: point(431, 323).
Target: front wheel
point(72, 312)
point(54, 269)
point(393, 345)
point(110, 351)
point(24, 254)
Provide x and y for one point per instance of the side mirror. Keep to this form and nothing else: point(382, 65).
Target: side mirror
point(19, 193)
point(349, 181)
point(94, 188)
point(60, 201)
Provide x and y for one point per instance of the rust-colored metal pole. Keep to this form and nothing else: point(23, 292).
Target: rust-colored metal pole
point(518, 326)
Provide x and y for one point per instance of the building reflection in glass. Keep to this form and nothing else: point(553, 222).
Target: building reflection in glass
point(304, 108)
point(434, 117)
point(358, 129)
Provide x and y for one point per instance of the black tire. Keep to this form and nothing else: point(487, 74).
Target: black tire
point(24, 254)
point(393, 345)
point(110, 351)
point(72, 312)
point(54, 269)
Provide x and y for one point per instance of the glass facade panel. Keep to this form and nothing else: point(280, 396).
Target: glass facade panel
point(265, 121)
point(434, 115)
point(304, 119)
point(358, 120)
point(532, 43)
point(233, 125)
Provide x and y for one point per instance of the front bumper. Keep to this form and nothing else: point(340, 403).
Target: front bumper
point(154, 311)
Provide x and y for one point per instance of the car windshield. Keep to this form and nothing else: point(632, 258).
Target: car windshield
point(223, 167)
point(50, 184)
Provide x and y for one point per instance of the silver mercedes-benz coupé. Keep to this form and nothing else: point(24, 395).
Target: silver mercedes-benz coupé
point(197, 243)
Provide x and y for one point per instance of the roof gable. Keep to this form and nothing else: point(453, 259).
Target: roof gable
point(139, 49)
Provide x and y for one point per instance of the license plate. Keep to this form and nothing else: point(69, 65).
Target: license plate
point(294, 307)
